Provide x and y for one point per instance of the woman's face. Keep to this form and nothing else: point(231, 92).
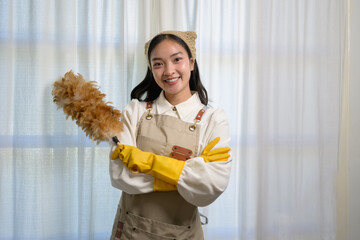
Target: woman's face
point(171, 68)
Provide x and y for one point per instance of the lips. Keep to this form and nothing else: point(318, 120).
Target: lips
point(172, 80)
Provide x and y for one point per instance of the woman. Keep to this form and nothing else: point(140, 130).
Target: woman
point(167, 164)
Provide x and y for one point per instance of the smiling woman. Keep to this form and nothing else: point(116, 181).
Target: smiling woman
point(182, 169)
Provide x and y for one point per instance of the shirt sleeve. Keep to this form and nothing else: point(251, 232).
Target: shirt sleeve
point(121, 177)
point(202, 183)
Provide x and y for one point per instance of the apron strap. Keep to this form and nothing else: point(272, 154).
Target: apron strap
point(149, 116)
point(149, 105)
point(197, 119)
point(200, 114)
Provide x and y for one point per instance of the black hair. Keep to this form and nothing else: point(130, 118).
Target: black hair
point(149, 87)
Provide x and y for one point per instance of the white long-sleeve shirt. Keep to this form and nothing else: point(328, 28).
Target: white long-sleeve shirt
point(200, 183)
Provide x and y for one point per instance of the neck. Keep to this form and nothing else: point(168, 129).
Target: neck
point(176, 99)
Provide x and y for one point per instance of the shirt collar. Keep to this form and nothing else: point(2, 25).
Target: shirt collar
point(183, 109)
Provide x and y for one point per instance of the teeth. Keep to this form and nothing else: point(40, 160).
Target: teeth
point(172, 80)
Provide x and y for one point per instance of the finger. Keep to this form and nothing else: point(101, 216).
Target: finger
point(134, 168)
point(210, 145)
point(115, 154)
point(219, 151)
point(219, 158)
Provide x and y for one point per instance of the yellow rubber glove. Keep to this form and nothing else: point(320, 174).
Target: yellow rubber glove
point(220, 154)
point(162, 186)
point(164, 168)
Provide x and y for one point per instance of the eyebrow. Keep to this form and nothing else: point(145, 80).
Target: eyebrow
point(172, 55)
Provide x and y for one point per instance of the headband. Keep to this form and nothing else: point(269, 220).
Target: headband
point(188, 37)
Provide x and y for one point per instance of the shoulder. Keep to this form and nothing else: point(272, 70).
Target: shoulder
point(216, 121)
point(215, 125)
point(134, 105)
point(215, 115)
point(134, 109)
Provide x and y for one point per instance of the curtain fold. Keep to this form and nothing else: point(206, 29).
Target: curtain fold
point(275, 67)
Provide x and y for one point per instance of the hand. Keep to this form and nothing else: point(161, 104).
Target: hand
point(164, 168)
point(220, 154)
point(135, 159)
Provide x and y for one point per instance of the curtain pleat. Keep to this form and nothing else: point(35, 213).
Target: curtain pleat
point(275, 67)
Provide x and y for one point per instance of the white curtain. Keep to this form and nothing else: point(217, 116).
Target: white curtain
point(276, 67)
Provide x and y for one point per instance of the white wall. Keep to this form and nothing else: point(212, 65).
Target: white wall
point(354, 145)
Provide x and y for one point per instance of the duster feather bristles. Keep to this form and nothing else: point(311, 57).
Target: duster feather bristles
point(83, 102)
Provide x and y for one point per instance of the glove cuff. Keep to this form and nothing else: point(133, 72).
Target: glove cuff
point(168, 169)
point(160, 185)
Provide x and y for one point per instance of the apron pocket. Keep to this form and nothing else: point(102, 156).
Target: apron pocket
point(149, 144)
point(144, 228)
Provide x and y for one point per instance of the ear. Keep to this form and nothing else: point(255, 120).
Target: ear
point(192, 64)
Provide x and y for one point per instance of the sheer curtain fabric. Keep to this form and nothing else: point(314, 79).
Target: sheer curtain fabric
point(276, 67)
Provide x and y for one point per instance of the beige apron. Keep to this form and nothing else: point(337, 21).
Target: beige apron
point(161, 215)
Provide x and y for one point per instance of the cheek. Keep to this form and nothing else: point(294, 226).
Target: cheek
point(186, 69)
point(158, 79)
point(156, 74)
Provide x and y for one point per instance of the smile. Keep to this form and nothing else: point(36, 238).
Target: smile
point(171, 80)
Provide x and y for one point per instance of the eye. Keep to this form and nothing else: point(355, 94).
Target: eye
point(177, 59)
point(157, 64)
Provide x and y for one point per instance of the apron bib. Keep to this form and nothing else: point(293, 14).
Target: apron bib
point(161, 215)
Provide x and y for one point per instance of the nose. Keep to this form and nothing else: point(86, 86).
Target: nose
point(169, 69)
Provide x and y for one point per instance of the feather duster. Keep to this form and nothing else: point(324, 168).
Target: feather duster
point(84, 103)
